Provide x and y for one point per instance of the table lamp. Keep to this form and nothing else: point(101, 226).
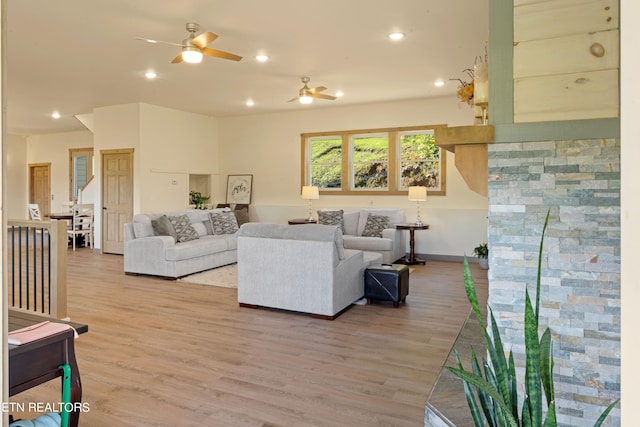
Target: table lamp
point(418, 194)
point(310, 192)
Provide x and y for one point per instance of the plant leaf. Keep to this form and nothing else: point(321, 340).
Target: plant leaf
point(550, 421)
point(546, 365)
point(606, 413)
point(468, 392)
point(533, 386)
point(499, 362)
point(486, 403)
point(482, 384)
point(470, 289)
point(544, 231)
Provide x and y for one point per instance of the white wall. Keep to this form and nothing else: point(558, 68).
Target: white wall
point(174, 144)
point(268, 146)
point(17, 195)
point(115, 127)
point(168, 145)
point(54, 148)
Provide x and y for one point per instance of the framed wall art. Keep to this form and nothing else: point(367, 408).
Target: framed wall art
point(239, 188)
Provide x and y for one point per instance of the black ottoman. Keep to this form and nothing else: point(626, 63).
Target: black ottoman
point(386, 282)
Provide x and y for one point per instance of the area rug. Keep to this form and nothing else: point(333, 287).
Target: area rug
point(224, 277)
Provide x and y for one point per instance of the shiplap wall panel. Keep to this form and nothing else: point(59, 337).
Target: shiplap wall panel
point(567, 54)
point(543, 20)
point(575, 96)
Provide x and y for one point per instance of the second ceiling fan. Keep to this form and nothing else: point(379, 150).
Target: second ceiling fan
point(306, 94)
point(194, 47)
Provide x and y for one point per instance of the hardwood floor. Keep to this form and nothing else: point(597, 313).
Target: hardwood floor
point(163, 353)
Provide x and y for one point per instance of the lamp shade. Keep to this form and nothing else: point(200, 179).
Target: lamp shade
point(310, 192)
point(417, 194)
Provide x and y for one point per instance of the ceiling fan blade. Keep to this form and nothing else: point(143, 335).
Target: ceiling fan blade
point(157, 41)
point(177, 59)
point(204, 39)
point(317, 89)
point(293, 99)
point(220, 54)
point(322, 96)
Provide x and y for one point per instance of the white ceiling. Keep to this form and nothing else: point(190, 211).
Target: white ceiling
point(74, 55)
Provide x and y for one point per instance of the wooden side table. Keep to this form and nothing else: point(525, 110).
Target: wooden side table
point(412, 242)
point(296, 221)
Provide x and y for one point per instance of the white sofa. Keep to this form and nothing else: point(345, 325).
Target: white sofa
point(392, 244)
point(145, 252)
point(302, 268)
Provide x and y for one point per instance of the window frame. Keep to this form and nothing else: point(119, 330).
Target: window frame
point(393, 181)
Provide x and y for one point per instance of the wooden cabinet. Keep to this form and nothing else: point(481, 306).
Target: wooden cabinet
point(565, 60)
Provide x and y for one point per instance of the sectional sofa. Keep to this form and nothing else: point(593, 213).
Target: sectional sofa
point(148, 252)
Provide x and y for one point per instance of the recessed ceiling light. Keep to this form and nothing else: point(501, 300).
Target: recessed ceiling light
point(438, 83)
point(396, 36)
point(150, 75)
point(339, 93)
point(262, 58)
point(55, 115)
point(250, 103)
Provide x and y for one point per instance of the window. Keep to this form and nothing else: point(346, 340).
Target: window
point(80, 170)
point(419, 160)
point(375, 161)
point(370, 161)
point(325, 165)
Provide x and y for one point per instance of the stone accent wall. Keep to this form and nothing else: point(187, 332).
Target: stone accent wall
point(579, 181)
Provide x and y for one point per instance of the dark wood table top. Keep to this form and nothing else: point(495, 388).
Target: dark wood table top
point(61, 215)
point(19, 319)
point(412, 227)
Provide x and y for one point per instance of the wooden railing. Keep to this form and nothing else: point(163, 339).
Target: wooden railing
point(37, 267)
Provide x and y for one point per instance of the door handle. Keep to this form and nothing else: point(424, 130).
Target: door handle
point(104, 208)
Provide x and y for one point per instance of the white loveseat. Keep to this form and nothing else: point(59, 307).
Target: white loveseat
point(146, 252)
point(391, 245)
point(302, 268)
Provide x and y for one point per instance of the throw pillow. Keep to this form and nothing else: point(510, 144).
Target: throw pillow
point(162, 227)
point(223, 222)
point(375, 224)
point(184, 231)
point(331, 218)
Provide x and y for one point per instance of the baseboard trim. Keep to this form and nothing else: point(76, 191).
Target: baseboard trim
point(451, 258)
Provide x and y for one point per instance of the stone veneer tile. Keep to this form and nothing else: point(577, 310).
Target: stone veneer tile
point(579, 182)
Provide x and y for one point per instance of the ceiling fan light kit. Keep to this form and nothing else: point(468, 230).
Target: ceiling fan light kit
point(191, 54)
point(306, 94)
point(193, 48)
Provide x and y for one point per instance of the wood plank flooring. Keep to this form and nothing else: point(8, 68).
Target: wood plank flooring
point(163, 353)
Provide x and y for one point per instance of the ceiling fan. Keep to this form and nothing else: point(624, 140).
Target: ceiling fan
point(306, 94)
point(193, 48)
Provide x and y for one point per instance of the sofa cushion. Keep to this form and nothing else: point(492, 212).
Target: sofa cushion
point(196, 248)
point(367, 243)
point(184, 231)
point(396, 216)
point(200, 228)
point(223, 222)
point(331, 217)
point(162, 227)
point(374, 225)
point(143, 229)
point(328, 233)
point(242, 214)
point(351, 219)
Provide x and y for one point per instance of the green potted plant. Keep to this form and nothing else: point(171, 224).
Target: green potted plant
point(491, 388)
point(198, 200)
point(482, 253)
